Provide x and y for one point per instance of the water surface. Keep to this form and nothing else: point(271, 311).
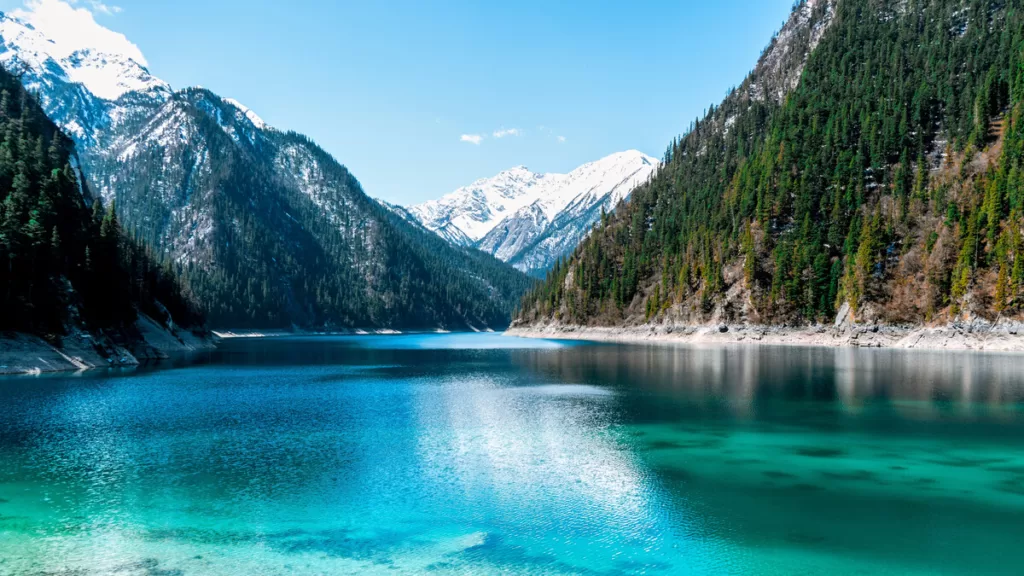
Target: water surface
point(459, 454)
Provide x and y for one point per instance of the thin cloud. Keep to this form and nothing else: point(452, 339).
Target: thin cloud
point(507, 132)
point(561, 139)
point(471, 138)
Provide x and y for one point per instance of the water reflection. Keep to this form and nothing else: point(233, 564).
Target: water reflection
point(740, 379)
point(437, 454)
point(839, 460)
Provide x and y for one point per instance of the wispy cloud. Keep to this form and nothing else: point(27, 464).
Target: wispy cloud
point(503, 132)
point(561, 139)
point(507, 132)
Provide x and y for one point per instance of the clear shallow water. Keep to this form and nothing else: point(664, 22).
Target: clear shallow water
point(482, 455)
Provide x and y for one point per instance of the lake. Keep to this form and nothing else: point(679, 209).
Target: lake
point(480, 454)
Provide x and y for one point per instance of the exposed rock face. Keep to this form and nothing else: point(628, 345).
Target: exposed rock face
point(26, 354)
point(1004, 336)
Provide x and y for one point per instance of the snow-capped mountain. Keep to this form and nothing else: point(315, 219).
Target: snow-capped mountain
point(79, 83)
point(530, 220)
point(267, 228)
point(469, 213)
point(107, 75)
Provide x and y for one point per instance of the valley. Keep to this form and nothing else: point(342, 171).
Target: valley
point(821, 196)
point(263, 227)
point(789, 344)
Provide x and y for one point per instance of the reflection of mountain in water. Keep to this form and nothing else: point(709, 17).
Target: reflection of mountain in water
point(760, 381)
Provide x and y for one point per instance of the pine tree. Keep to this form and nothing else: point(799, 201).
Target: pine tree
point(1002, 289)
point(841, 176)
point(866, 257)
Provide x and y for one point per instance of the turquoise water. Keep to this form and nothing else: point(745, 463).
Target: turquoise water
point(459, 454)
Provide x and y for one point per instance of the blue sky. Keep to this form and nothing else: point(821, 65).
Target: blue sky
point(412, 96)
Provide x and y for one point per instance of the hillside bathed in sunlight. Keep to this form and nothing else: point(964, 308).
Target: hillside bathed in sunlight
point(524, 288)
point(479, 454)
point(870, 163)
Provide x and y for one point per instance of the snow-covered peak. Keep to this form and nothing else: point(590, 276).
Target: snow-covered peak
point(534, 237)
point(90, 79)
point(508, 183)
point(617, 174)
point(105, 67)
point(110, 76)
point(252, 116)
point(477, 209)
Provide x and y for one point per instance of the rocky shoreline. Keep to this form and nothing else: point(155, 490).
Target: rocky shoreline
point(27, 354)
point(977, 335)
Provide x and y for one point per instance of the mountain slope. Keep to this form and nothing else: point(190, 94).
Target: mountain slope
point(267, 229)
point(467, 214)
point(69, 273)
point(869, 166)
point(531, 220)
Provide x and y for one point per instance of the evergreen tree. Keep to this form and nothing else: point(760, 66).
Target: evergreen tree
point(48, 238)
point(869, 162)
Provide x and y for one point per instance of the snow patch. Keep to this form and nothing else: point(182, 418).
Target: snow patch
point(530, 220)
point(249, 114)
point(478, 209)
point(107, 69)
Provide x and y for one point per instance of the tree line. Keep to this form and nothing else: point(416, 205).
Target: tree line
point(889, 178)
point(64, 259)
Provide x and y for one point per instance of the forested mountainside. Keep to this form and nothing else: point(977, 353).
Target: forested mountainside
point(870, 163)
point(65, 263)
point(268, 230)
point(263, 227)
point(532, 220)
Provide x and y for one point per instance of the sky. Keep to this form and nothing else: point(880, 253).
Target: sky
point(419, 98)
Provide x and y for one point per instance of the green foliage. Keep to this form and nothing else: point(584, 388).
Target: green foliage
point(838, 175)
point(56, 254)
point(261, 249)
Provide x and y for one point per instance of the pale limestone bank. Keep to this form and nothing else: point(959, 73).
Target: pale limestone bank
point(977, 334)
point(27, 354)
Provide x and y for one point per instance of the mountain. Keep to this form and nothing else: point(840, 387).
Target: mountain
point(70, 274)
point(466, 215)
point(531, 220)
point(868, 170)
point(265, 227)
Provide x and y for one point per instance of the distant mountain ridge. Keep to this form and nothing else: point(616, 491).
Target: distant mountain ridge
point(265, 227)
point(531, 220)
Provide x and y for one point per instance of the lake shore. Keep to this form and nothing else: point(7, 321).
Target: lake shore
point(976, 335)
point(28, 354)
point(22, 353)
point(233, 334)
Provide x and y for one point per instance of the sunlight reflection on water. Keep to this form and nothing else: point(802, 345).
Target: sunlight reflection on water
point(482, 454)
